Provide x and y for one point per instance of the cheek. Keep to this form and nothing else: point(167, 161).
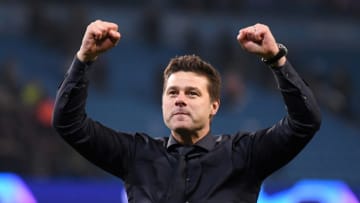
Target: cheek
point(207, 111)
point(165, 106)
point(201, 110)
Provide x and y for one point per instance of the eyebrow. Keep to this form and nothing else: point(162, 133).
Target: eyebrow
point(186, 88)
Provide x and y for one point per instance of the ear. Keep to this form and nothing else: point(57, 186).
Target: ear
point(215, 105)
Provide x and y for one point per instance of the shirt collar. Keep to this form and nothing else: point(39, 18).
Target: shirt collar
point(207, 142)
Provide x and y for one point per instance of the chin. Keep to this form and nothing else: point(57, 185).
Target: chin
point(179, 125)
point(183, 131)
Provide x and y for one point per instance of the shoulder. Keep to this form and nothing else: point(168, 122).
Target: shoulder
point(236, 137)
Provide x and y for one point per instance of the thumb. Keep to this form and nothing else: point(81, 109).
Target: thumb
point(114, 36)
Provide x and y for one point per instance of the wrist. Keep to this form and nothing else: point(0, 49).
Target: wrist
point(84, 57)
point(278, 59)
point(281, 62)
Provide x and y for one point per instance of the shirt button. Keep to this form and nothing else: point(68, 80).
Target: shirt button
point(187, 179)
point(304, 97)
point(187, 202)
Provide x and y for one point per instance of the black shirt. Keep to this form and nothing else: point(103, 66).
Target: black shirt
point(218, 168)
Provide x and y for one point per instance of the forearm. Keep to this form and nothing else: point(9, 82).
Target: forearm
point(276, 146)
point(100, 145)
point(303, 110)
point(69, 110)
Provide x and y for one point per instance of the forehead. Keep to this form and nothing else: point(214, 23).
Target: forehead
point(186, 79)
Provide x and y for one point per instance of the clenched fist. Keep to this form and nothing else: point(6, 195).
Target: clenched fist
point(99, 37)
point(259, 40)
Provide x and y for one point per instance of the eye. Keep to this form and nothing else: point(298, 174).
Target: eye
point(193, 93)
point(172, 92)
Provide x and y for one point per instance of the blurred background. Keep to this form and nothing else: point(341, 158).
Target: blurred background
point(38, 40)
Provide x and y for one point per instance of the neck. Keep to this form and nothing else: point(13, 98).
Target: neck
point(188, 138)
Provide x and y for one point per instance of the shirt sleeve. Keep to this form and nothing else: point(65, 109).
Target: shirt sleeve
point(108, 149)
point(272, 148)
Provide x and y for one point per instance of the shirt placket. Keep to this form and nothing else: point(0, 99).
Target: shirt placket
point(192, 174)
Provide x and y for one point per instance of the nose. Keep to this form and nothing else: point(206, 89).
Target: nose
point(180, 100)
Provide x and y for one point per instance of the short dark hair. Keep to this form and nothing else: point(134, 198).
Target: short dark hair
point(193, 63)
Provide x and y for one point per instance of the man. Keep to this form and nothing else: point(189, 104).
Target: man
point(190, 165)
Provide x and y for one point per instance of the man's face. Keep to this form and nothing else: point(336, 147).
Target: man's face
point(186, 103)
